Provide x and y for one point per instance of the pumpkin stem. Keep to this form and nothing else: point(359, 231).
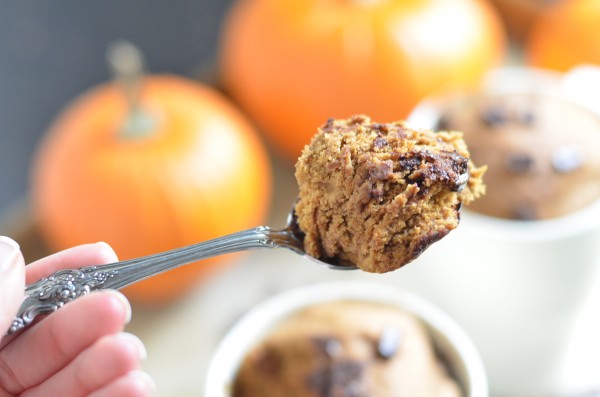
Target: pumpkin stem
point(127, 64)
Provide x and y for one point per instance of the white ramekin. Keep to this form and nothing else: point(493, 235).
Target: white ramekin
point(449, 340)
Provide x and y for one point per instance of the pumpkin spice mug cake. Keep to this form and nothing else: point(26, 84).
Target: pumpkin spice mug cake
point(541, 152)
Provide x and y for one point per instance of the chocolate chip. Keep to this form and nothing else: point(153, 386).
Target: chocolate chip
point(567, 159)
point(424, 168)
point(382, 128)
point(330, 346)
point(526, 116)
point(376, 192)
point(329, 125)
point(380, 142)
point(389, 342)
point(357, 120)
point(525, 212)
point(494, 116)
point(519, 162)
point(338, 379)
point(381, 170)
point(410, 162)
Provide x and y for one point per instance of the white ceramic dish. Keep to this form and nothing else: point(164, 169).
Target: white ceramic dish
point(450, 341)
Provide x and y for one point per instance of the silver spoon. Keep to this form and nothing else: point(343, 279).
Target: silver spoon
point(51, 293)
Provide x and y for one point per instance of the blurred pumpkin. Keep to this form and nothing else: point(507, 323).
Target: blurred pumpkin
point(292, 64)
point(191, 169)
point(565, 36)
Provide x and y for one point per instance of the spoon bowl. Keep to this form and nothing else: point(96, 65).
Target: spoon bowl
point(51, 293)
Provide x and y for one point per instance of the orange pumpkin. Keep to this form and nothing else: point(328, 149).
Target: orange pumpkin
point(567, 35)
point(196, 172)
point(291, 64)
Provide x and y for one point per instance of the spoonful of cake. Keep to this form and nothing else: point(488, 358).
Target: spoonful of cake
point(372, 196)
point(377, 195)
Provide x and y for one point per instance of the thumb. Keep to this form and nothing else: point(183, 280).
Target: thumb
point(12, 281)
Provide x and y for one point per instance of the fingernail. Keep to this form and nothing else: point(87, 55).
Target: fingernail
point(124, 302)
point(8, 252)
point(143, 379)
point(135, 341)
point(106, 247)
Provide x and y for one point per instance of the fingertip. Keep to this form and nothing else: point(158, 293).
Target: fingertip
point(135, 383)
point(142, 381)
point(108, 304)
point(12, 243)
point(9, 252)
point(12, 281)
point(120, 299)
point(136, 343)
point(107, 251)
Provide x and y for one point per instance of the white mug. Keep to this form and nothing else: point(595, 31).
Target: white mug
point(516, 287)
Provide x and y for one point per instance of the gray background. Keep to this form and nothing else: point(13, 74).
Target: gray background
point(50, 51)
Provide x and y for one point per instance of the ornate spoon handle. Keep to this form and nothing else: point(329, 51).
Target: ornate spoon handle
point(51, 293)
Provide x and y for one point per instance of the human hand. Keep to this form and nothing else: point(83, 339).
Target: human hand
point(81, 349)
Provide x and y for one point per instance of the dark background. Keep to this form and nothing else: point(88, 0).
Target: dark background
point(51, 51)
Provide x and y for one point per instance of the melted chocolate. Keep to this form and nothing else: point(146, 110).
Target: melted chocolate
point(343, 378)
point(494, 116)
point(444, 167)
point(519, 163)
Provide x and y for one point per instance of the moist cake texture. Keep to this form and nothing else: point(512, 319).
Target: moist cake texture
point(346, 349)
point(376, 195)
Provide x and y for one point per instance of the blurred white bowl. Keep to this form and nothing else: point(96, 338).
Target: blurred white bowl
point(449, 339)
